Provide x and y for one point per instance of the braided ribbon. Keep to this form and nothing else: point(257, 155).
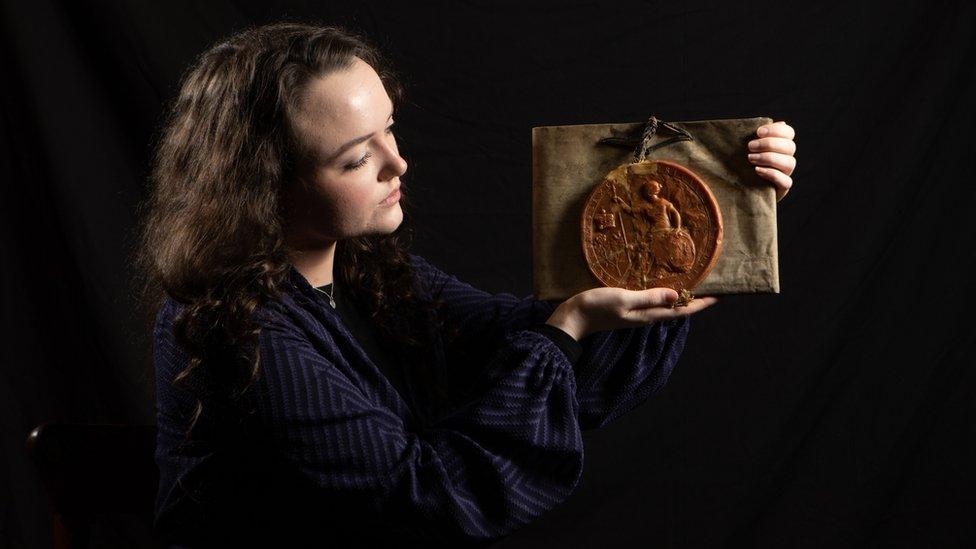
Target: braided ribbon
point(644, 143)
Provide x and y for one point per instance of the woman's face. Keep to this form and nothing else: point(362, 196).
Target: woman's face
point(346, 122)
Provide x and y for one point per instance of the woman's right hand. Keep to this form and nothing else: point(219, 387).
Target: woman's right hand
point(600, 309)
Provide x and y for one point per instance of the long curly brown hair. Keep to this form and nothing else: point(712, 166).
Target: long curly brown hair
point(211, 228)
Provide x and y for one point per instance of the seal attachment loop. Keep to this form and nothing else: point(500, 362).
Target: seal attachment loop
point(644, 143)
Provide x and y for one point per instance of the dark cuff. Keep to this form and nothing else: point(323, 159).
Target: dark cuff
point(564, 341)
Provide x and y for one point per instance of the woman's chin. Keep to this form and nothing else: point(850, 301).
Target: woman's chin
point(391, 218)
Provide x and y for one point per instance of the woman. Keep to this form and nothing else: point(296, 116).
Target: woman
point(316, 382)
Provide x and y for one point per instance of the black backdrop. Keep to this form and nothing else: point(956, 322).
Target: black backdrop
point(837, 413)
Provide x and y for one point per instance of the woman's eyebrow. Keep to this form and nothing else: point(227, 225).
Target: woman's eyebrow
point(354, 142)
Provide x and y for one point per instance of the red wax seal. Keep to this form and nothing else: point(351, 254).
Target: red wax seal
point(651, 224)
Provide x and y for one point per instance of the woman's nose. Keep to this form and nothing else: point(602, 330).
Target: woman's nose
point(400, 165)
point(395, 165)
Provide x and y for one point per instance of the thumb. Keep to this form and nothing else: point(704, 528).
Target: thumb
point(657, 297)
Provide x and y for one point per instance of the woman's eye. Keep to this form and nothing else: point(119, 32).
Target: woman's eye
point(359, 164)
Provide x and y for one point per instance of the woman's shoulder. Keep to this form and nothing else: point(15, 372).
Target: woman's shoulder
point(428, 276)
point(276, 321)
point(169, 310)
point(422, 264)
point(271, 311)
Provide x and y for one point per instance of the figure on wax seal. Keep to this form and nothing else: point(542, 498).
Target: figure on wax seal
point(662, 245)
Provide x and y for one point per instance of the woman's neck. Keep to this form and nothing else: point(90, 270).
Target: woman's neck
point(315, 264)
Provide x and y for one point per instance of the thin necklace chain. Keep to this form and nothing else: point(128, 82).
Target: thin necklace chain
point(331, 298)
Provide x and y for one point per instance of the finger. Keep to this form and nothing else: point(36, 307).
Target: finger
point(780, 180)
point(655, 297)
point(776, 129)
point(667, 313)
point(782, 162)
point(773, 144)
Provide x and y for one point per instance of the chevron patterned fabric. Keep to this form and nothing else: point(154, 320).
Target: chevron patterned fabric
point(330, 451)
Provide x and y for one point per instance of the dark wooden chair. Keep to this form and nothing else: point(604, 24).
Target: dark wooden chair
point(90, 470)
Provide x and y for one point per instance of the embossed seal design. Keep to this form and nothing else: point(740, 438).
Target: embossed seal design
point(651, 224)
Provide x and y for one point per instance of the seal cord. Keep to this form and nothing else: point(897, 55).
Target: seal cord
point(644, 142)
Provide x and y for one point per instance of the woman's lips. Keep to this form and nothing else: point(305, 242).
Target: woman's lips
point(392, 198)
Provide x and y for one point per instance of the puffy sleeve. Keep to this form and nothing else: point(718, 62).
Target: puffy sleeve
point(476, 474)
point(616, 370)
point(620, 369)
point(481, 318)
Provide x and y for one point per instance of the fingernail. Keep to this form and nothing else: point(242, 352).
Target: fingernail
point(763, 131)
point(754, 145)
point(753, 157)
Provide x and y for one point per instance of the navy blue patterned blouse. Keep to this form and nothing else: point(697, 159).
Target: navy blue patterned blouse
point(332, 454)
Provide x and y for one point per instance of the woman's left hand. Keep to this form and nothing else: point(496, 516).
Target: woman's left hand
point(773, 154)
